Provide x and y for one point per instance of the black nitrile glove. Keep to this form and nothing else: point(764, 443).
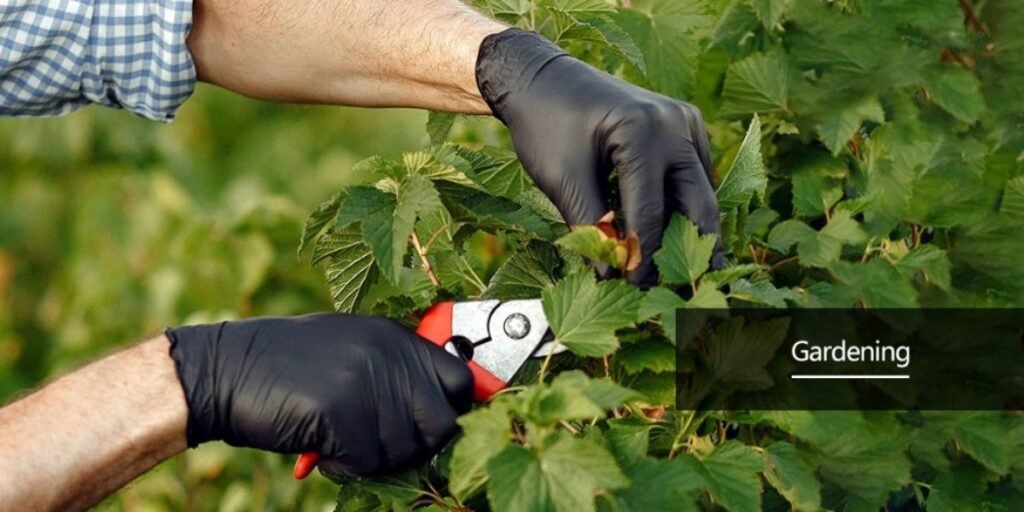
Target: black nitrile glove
point(365, 393)
point(572, 124)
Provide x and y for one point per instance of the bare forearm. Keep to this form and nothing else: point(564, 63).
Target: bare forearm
point(77, 440)
point(412, 53)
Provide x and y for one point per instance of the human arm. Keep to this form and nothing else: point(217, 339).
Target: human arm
point(375, 53)
point(365, 393)
point(85, 435)
point(571, 123)
point(58, 57)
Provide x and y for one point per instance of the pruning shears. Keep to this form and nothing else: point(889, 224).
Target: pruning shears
point(495, 338)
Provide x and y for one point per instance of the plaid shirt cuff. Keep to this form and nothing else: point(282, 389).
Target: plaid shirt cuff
point(59, 55)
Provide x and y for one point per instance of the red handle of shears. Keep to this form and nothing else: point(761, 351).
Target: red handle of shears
point(436, 327)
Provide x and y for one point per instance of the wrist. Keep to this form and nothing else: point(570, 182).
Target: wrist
point(169, 413)
point(506, 64)
point(192, 349)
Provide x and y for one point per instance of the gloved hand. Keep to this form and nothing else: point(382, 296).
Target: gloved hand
point(571, 124)
point(365, 393)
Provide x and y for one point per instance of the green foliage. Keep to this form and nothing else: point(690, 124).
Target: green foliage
point(113, 227)
point(685, 254)
point(584, 314)
point(590, 242)
point(869, 155)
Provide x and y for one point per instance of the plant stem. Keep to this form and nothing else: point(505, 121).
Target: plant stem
point(684, 432)
point(422, 252)
point(544, 366)
point(971, 18)
point(435, 236)
point(472, 275)
point(780, 263)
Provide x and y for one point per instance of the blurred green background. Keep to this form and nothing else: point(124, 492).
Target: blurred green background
point(113, 227)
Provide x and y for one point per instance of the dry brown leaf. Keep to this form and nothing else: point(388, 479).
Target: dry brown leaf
point(627, 250)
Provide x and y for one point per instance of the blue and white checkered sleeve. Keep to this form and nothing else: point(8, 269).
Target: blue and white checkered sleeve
point(59, 55)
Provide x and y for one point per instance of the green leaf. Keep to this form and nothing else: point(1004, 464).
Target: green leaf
point(890, 188)
point(660, 485)
point(817, 185)
point(868, 463)
point(442, 163)
point(662, 303)
point(652, 355)
point(561, 476)
point(729, 275)
point(395, 492)
point(757, 84)
point(578, 7)
point(707, 298)
point(509, 11)
point(876, 284)
point(603, 392)
point(629, 439)
point(499, 171)
point(759, 221)
point(618, 41)
point(961, 489)
point(525, 274)
point(738, 353)
point(819, 428)
point(787, 233)
point(539, 203)
point(735, 27)
point(762, 292)
point(931, 262)
point(664, 31)
point(731, 474)
point(788, 471)
point(1013, 200)
point(584, 315)
point(590, 242)
point(982, 435)
point(771, 12)
point(685, 254)
point(659, 388)
point(492, 213)
point(991, 250)
point(746, 178)
point(439, 125)
point(957, 91)
point(596, 30)
point(387, 220)
point(838, 124)
point(572, 396)
point(548, 405)
point(817, 248)
point(415, 195)
point(349, 270)
point(352, 498)
point(415, 284)
point(485, 433)
point(523, 484)
point(318, 220)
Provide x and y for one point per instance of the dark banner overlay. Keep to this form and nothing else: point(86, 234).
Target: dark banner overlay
point(850, 359)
